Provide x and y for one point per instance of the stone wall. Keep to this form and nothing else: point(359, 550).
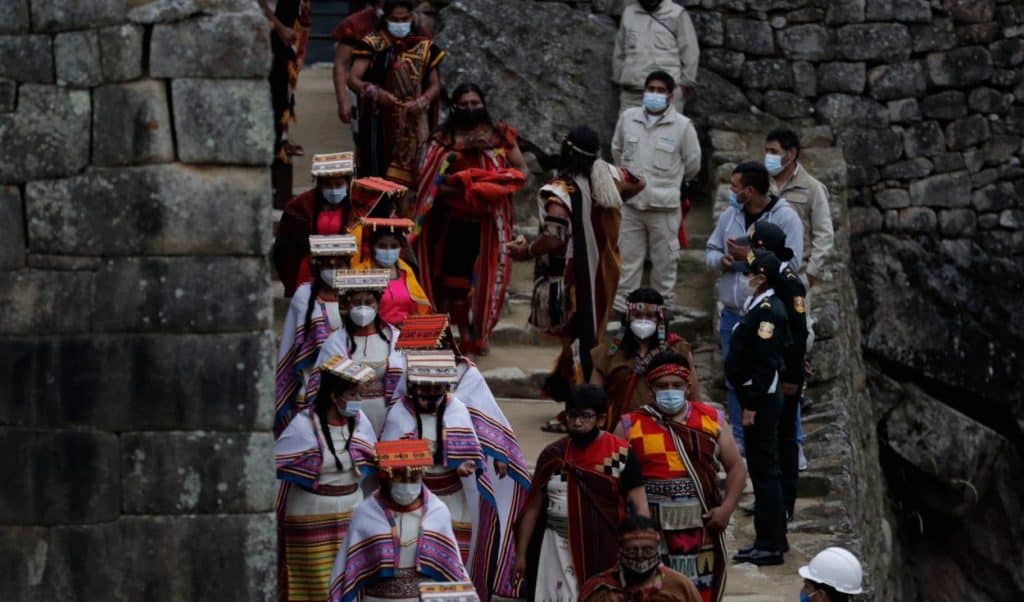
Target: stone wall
point(136, 364)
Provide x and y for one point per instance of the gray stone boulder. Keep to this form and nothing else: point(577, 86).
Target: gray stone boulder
point(121, 52)
point(131, 124)
point(12, 231)
point(223, 121)
point(960, 68)
point(160, 210)
point(484, 39)
point(877, 41)
point(62, 15)
point(47, 137)
point(224, 45)
point(26, 59)
point(77, 56)
point(148, 12)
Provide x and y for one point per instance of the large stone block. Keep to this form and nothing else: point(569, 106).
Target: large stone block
point(806, 42)
point(786, 105)
point(905, 11)
point(893, 198)
point(36, 302)
point(164, 210)
point(720, 60)
point(197, 473)
point(841, 12)
point(904, 110)
point(877, 41)
point(907, 170)
point(27, 58)
point(772, 74)
point(63, 15)
point(1001, 149)
point(55, 477)
point(12, 229)
point(987, 100)
point(8, 95)
point(226, 45)
point(805, 79)
point(937, 35)
point(708, 25)
point(77, 56)
point(14, 18)
point(924, 140)
point(967, 132)
point(223, 121)
point(960, 68)
point(957, 222)
point(230, 558)
point(994, 197)
point(188, 294)
point(842, 77)
point(973, 11)
point(121, 52)
point(134, 382)
point(898, 80)
point(750, 36)
point(943, 190)
point(844, 111)
point(917, 220)
point(1008, 53)
point(47, 137)
point(61, 563)
point(131, 124)
point(870, 146)
point(149, 12)
point(951, 104)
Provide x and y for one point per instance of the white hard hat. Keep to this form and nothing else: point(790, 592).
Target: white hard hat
point(835, 567)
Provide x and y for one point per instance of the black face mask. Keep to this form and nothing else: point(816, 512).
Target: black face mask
point(635, 578)
point(466, 118)
point(584, 439)
point(650, 5)
point(431, 401)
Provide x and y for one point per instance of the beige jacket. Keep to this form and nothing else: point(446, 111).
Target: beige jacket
point(809, 198)
point(665, 40)
point(666, 153)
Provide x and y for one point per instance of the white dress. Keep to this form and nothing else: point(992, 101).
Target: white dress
point(373, 351)
point(556, 576)
point(457, 503)
point(307, 503)
point(408, 524)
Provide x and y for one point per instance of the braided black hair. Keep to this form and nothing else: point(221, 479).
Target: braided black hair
point(330, 384)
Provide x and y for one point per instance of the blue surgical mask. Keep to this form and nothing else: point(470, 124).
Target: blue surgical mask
point(655, 102)
point(670, 401)
point(399, 30)
point(734, 201)
point(352, 408)
point(386, 257)
point(805, 597)
point(773, 163)
point(335, 196)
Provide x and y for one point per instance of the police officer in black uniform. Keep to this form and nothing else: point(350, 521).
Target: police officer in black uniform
point(791, 291)
point(754, 368)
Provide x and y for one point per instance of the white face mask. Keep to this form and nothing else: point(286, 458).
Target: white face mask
point(405, 493)
point(362, 315)
point(643, 328)
point(327, 275)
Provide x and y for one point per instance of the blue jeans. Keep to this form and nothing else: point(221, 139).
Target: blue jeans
point(729, 321)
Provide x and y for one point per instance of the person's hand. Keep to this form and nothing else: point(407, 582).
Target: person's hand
point(519, 568)
point(501, 468)
point(737, 251)
point(748, 417)
point(468, 467)
point(518, 249)
point(790, 388)
point(811, 280)
point(288, 35)
point(726, 262)
point(716, 519)
point(387, 99)
point(345, 109)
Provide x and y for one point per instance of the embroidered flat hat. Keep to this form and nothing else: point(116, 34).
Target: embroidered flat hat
point(765, 235)
point(422, 331)
point(367, 194)
point(763, 262)
point(333, 164)
point(392, 224)
point(403, 454)
point(360, 280)
point(335, 245)
point(347, 369)
point(430, 367)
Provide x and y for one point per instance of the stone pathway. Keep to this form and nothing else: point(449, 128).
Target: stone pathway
point(519, 360)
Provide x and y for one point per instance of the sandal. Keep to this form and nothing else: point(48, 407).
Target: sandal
point(554, 426)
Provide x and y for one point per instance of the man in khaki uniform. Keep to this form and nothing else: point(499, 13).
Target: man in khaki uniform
point(805, 194)
point(659, 143)
point(809, 198)
point(654, 35)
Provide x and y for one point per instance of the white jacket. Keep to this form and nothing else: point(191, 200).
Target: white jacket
point(809, 198)
point(666, 153)
point(732, 285)
point(665, 40)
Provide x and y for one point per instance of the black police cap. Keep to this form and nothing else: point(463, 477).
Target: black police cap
point(760, 261)
point(768, 236)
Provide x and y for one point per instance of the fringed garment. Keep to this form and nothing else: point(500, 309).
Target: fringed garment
point(315, 499)
point(679, 497)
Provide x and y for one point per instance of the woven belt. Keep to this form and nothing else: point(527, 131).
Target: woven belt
point(443, 483)
point(337, 490)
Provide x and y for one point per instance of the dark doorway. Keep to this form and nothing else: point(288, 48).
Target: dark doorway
point(326, 16)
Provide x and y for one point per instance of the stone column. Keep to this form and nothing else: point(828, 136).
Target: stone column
point(136, 359)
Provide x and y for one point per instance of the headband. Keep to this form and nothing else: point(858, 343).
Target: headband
point(668, 370)
point(642, 535)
